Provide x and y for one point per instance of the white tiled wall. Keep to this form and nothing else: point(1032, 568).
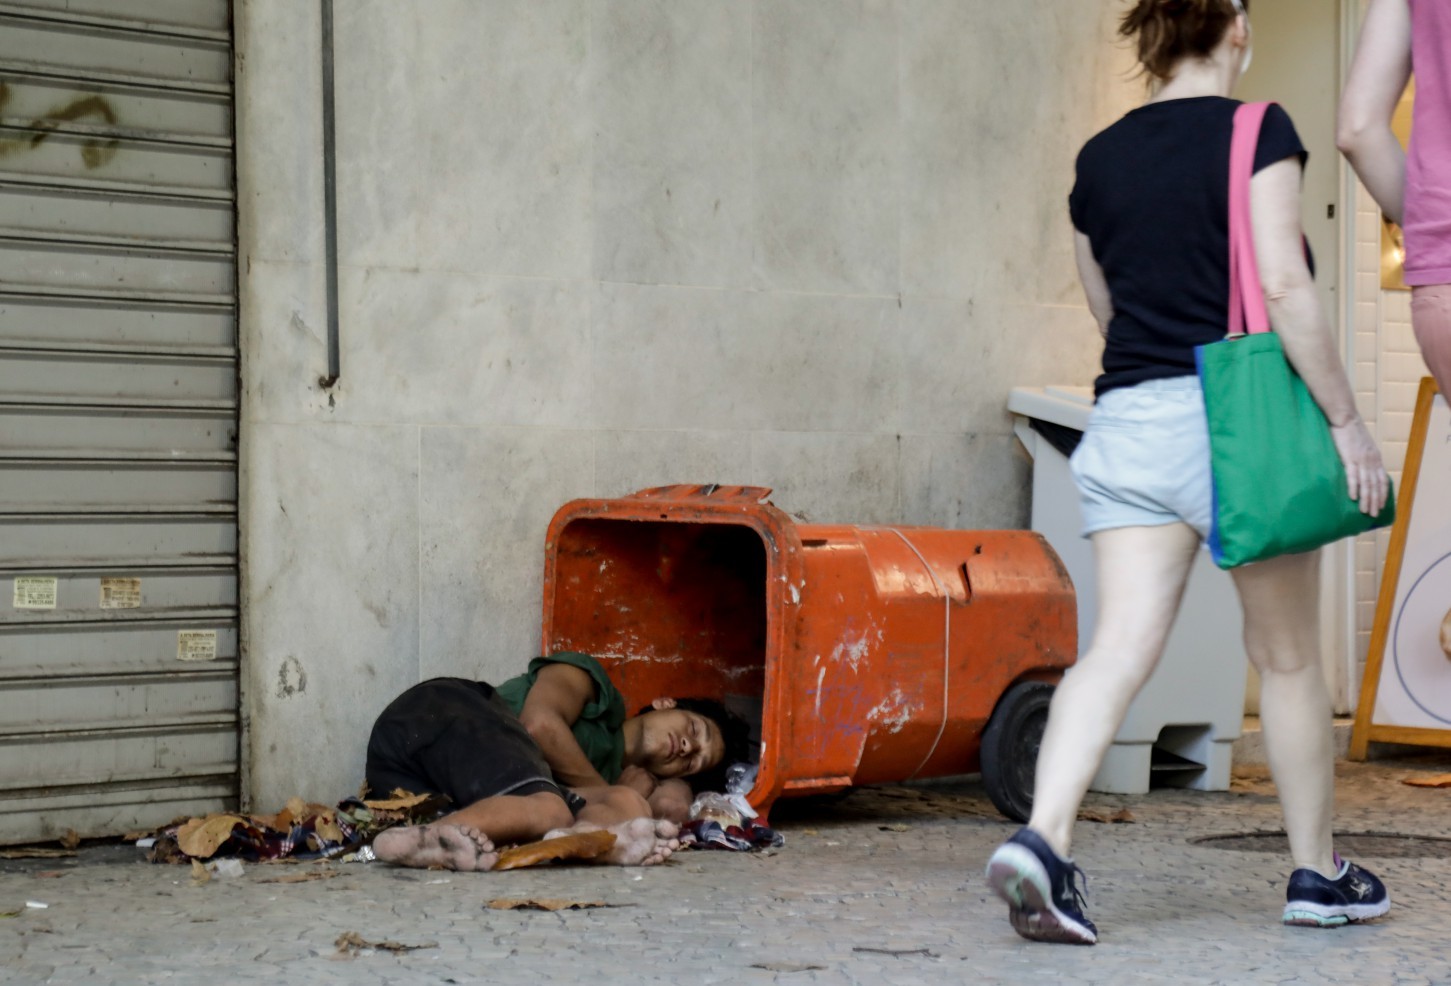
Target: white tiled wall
point(1387, 375)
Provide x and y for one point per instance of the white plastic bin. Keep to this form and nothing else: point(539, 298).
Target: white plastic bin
point(1181, 729)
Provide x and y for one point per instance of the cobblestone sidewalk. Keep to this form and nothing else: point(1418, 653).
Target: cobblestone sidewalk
point(883, 886)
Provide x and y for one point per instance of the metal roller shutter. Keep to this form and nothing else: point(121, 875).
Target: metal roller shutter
point(118, 415)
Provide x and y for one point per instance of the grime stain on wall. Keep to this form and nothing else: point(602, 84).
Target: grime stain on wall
point(95, 150)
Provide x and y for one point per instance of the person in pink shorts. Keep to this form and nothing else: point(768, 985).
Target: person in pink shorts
point(1412, 188)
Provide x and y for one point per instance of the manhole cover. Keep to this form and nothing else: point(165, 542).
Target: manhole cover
point(1354, 845)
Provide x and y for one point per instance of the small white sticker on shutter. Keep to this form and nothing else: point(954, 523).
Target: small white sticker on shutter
point(120, 593)
point(35, 592)
point(196, 645)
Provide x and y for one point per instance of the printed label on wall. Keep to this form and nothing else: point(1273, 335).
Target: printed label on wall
point(120, 593)
point(196, 645)
point(35, 591)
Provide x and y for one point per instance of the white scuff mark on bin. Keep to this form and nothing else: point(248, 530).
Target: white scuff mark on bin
point(820, 680)
point(851, 651)
point(894, 712)
point(795, 595)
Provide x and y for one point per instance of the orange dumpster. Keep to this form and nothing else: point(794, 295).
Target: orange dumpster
point(873, 653)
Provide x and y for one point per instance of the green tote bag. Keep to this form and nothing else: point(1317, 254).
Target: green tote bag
point(1279, 484)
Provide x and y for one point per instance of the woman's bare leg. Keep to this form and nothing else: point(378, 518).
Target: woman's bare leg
point(1141, 574)
point(1281, 601)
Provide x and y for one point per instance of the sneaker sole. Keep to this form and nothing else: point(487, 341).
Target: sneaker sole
point(1016, 875)
point(1310, 915)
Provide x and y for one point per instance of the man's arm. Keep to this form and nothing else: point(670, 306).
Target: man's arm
point(1378, 76)
point(554, 703)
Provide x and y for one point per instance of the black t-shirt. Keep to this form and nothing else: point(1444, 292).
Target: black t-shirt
point(1152, 196)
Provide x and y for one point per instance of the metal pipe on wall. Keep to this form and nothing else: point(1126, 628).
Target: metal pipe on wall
point(330, 199)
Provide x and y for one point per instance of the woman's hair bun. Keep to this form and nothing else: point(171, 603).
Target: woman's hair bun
point(1168, 31)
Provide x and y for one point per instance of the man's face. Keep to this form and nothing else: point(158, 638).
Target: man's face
point(679, 743)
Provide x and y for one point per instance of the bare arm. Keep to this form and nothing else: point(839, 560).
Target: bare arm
point(1378, 76)
point(1304, 331)
point(553, 705)
point(1095, 285)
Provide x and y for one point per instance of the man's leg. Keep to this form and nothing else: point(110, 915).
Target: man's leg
point(1431, 321)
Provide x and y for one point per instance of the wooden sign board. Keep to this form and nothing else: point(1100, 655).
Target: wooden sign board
point(1406, 694)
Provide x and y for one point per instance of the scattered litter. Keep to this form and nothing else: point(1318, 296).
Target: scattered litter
point(896, 951)
point(352, 943)
point(546, 904)
point(71, 839)
point(1123, 815)
point(1435, 780)
point(36, 904)
point(225, 869)
point(707, 833)
point(310, 875)
point(50, 874)
point(146, 843)
point(786, 966)
point(435, 883)
point(581, 845)
point(301, 830)
point(894, 827)
point(36, 853)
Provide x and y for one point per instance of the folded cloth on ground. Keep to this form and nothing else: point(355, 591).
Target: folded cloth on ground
point(706, 833)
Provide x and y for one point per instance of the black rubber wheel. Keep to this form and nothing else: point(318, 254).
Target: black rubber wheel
point(1010, 747)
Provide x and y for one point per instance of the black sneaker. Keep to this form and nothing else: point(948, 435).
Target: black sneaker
point(1044, 902)
point(1314, 901)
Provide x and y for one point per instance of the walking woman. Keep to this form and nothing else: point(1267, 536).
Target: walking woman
point(1414, 190)
point(1150, 210)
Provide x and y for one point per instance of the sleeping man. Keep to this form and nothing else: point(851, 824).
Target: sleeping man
point(550, 752)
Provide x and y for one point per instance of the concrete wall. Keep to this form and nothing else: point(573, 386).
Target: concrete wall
point(589, 246)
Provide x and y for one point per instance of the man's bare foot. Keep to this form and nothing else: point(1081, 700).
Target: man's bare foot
point(638, 842)
point(454, 847)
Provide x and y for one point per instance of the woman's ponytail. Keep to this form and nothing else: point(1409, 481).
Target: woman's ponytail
point(1168, 31)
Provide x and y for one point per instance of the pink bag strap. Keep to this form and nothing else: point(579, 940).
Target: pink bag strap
point(1247, 311)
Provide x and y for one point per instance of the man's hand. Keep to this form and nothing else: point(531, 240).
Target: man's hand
point(671, 801)
point(639, 779)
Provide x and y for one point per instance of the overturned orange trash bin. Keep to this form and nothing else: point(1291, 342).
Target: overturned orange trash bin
point(871, 654)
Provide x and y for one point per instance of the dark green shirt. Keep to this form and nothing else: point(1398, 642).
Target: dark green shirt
point(598, 730)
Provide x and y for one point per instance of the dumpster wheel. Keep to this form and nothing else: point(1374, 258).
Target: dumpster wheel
point(1010, 747)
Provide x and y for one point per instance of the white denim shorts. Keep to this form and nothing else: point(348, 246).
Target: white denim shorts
point(1144, 460)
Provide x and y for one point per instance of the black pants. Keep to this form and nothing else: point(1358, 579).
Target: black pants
point(457, 738)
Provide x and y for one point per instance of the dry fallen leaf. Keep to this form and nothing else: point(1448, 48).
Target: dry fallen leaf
point(36, 853)
point(199, 874)
point(546, 904)
point(581, 845)
point(136, 834)
point(304, 877)
point(1435, 780)
point(352, 943)
point(200, 837)
point(71, 839)
point(1120, 816)
point(400, 799)
point(894, 827)
point(50, 874)
point(786, 966)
